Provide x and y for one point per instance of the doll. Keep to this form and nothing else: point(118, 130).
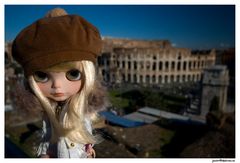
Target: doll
point(57, 54)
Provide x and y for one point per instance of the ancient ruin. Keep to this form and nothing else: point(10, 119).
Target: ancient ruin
point(151, 62)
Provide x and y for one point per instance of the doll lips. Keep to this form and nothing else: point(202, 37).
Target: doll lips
point(58, 94)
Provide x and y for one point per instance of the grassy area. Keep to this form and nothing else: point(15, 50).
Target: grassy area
point(165, 139)
point(116, 100)
point(130, 100)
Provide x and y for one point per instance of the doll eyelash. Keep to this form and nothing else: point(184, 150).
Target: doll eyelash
point(73, 75)
point(40, 76)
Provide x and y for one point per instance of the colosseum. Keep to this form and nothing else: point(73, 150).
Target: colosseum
point(153, 62)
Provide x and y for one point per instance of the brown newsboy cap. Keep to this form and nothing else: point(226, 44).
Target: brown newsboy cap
point(50, 41)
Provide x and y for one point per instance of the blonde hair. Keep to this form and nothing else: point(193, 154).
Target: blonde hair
point(74, 124)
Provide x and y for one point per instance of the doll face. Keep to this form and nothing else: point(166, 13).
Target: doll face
point(59, 86)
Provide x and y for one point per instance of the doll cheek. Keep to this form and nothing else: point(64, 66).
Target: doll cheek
point(44, 87)
point(75, 87)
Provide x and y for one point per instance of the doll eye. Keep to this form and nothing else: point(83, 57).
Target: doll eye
point(73, 75)
point(40, 76)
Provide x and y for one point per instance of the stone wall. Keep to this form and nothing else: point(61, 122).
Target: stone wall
point(215, 84)
point(151, 62)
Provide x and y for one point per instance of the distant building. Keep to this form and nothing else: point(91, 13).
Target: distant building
point(228, 58)
point(214, 86)
point(13, 73)
point(151, 62)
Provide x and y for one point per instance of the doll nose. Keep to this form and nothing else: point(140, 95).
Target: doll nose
point(56, 83)
point(57, 79)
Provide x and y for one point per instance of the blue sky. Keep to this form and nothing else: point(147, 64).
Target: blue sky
point(187, 26)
